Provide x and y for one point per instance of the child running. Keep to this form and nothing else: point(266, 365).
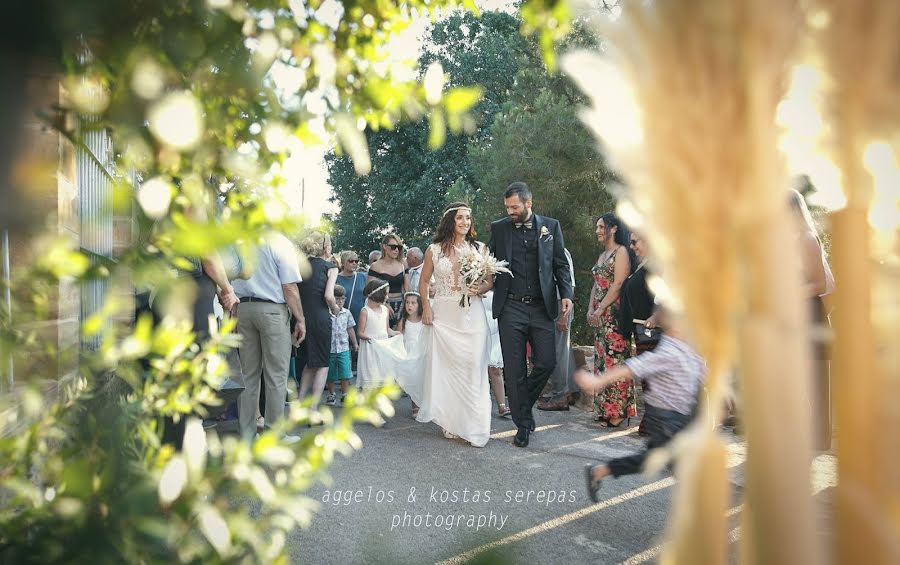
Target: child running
point(343, 337)
point(676, 374)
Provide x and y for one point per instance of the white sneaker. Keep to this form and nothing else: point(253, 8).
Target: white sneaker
point(289, 439)
point(331, 399)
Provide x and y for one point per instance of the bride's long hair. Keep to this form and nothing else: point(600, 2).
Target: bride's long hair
point(444, 234)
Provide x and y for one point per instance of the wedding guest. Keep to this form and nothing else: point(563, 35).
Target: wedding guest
point(343, 338)
point(390, 269)
point(410, 326)
point(617, 403)
point(317, 295)
point(373, 257)
point(818, 283)
point(373, 325)
point(413, 268)
point(353, 282)
point(267, 300)
point(637, 317)
point(562, 386)
point(676, 374)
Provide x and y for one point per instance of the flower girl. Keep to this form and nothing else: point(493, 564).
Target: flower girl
point(373, 325)
point(411, 328)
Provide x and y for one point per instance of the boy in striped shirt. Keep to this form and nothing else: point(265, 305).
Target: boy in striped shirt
point(676, 374)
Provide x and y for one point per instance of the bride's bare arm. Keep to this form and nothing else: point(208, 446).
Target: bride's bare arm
point(425, 287)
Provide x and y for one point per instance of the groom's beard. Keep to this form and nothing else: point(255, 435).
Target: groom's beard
point(523, 217)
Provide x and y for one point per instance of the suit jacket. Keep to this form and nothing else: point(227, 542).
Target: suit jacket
point(553, 267)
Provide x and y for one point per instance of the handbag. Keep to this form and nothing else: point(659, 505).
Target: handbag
point(644, 335)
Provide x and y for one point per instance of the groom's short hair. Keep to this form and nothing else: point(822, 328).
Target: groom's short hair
point(519, 189)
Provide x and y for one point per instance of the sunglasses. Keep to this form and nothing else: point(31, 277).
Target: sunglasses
point(634, 242)
point(394, 246)
point(353, 260)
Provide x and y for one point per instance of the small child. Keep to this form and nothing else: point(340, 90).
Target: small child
point(676, 373)
point(343, 337)
point(373, 325)
point(410, 326)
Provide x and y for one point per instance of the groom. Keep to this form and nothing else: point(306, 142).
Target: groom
point(525, 304)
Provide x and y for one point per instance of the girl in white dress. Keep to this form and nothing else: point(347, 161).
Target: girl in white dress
point(495, 365)
point(455, 394)
point(373, 325)
point(411, 327)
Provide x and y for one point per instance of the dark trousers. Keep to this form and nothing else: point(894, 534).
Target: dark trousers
point(661, 426)
point(520, 324)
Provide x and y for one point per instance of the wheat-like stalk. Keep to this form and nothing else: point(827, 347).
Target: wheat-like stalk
point(858, 39)
point(703, 170)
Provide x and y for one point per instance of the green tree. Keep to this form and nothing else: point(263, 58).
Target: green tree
point(409, 182)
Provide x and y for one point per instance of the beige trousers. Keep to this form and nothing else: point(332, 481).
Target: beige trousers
point(265, 348)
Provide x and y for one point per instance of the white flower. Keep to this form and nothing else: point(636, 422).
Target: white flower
point(475, 266)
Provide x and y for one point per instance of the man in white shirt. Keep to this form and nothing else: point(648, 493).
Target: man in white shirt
point(267, 300)
point(414, 272)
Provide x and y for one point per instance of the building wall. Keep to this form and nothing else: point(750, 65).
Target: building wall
point(73, 195)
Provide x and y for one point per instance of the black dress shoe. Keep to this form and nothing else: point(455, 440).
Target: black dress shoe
point(521, 439)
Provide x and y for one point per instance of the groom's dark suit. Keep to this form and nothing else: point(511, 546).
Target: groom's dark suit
point(526, 304)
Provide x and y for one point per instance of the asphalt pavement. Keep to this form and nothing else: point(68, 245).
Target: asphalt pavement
point(412, 496)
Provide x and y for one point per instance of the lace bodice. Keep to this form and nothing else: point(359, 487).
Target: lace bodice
point(446, 274)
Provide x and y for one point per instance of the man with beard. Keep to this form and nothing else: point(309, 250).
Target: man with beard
point(526, 303)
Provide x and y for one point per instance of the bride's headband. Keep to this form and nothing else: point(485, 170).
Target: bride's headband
point(385, 285)
point(454, 209)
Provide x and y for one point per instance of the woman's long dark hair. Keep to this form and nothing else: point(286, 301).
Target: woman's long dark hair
point(622, 237)
point(444, 233)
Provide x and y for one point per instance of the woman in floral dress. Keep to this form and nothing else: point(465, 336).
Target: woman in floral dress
point(617, 403)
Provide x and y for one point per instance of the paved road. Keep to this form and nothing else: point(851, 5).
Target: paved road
point(499, 503)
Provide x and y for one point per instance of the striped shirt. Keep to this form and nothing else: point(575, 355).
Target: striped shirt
point(675, 372)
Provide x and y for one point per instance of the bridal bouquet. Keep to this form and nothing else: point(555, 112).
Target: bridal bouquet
point(475, 266)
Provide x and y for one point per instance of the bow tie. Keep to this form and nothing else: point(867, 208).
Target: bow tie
point(526, 225)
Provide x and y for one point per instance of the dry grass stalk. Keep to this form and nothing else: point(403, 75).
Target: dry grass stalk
point(707, 76)
point(859, 41)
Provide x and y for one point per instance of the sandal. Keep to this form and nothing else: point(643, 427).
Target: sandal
point(605, 423)
point(449, 435)
point(593, 485)
point(414, 413)
point(503, 410)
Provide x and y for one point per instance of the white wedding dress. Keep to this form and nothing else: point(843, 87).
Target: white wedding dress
point(443, 367)
point(454, 392)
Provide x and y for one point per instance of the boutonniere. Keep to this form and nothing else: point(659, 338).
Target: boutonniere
point(545, 234)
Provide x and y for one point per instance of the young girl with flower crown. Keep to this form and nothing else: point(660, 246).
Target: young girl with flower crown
point(373, 325)
point(411, 327)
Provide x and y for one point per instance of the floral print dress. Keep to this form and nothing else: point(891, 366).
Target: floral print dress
point(618, 401)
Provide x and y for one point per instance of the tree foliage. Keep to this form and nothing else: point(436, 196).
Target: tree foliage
point(409, 182)
point(189, 92)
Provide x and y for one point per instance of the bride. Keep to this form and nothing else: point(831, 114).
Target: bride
point(455, 393)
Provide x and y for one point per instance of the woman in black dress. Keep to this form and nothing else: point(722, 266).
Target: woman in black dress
point(317, 297)
point(638, 303)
